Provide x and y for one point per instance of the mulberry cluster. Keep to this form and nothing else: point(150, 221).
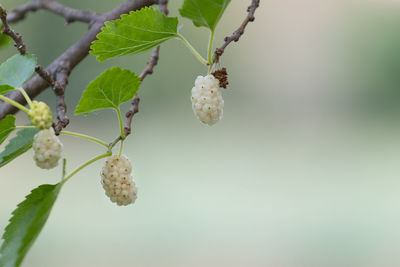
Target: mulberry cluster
point(207, 102)
point(47, 148)
point(117, 180)
point(40, 115)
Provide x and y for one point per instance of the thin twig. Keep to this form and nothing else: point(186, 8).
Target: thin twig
point(69, 14)
point(135, 101)
point(18, 43)
point(62, 75)
point(163, 5)
point(147, 71)
point(59, 86)
point(129, 115)
point(19, 13)
point(239, 32)
point(151, 63)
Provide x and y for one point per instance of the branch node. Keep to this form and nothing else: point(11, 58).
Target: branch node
point(45, 75)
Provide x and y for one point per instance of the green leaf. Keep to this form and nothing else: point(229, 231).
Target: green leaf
point(17, 69)
point(26, 223)
point(5, 88)
point(135, 32)
point(7, 125)
point(112, 88)
point(4, 39)
point(205, 13)
point(17, 146)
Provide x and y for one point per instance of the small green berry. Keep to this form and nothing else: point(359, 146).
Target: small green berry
point(40, 115)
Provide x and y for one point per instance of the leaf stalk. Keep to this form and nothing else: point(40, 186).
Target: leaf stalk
point(86, 164)
point(192, 49)
point(14, 103)
point(85, 137)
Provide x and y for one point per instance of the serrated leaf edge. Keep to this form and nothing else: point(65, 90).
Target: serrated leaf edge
point(16, 212)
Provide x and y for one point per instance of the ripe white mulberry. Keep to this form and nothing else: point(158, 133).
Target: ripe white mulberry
point(207, 102)
point(47, 148)
point(117, 180)
point(40, 115)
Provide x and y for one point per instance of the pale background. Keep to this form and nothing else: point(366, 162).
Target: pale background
point(303, 171)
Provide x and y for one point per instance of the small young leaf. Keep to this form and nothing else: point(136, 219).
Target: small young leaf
point(134, 33)
point(17, 146)
point(26, 223)
point(112, 88)
point(7, 125)
point(205, 13)
point(5, 88)
point(17, 69)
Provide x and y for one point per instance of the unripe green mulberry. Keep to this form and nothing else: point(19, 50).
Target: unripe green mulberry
point(47, 148)
point(40, 115)
point(207, 102)
point(117, 180)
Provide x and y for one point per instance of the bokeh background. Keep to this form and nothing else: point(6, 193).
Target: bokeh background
point(303, 171)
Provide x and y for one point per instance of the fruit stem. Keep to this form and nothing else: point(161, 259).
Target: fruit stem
point(25, 127)
point(15, 104)
point(86, 164)
point(121, 147)
point(113, 143)
point(121, 123)
point(210, 47)
point(64, 168)
point(85, 137)
point(192, 49)
point(26, 96)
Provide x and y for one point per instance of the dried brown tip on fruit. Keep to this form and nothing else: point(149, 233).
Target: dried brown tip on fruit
point(222, 76)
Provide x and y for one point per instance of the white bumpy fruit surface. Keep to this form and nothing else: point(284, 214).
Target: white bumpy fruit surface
point(207, 102)
point(40, 115)
point(47, 148)
point(117, 180)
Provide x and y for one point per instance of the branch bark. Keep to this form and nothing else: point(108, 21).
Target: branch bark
point(73, 55)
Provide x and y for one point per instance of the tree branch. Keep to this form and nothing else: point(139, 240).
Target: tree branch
point(73, 55)
point(239, 32)
point(18, 43)
point(69, 14)
point(147, 71)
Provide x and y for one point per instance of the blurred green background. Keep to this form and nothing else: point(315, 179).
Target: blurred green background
point(303, 171)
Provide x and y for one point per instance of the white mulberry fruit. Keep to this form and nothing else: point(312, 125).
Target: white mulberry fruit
point(47, 148)
point(117, 180)
point(40, 115)
point(207, 102)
